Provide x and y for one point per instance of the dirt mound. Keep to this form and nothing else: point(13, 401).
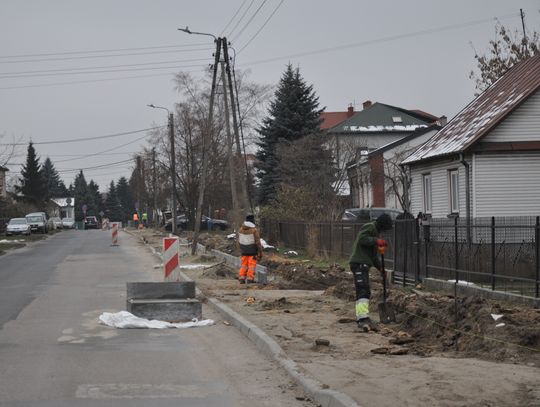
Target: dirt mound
point(431, 320)
point(279, 304)
point(303, 276)
point(218, 271)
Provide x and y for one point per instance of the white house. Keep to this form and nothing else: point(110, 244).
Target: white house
point(486, 160)
point(376, 178)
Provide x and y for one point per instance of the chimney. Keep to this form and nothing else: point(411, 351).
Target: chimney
point(350, 111)
point(443, 120)
point(366, 104)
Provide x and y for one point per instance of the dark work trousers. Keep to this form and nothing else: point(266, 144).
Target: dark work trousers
point(361, 283)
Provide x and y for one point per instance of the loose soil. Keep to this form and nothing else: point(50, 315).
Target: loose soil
point(424, 359)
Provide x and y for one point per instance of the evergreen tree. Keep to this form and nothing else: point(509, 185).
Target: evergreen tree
point(294, 113)
point(112, 204)
point(125, 197)
point(55, 187)
point(32, 188)
point(81, 195)
point(95, 205)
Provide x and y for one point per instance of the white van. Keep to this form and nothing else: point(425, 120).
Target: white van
point(38, 222)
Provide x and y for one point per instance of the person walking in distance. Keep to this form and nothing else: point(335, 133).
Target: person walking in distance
point(363, 257)
point(249, 241)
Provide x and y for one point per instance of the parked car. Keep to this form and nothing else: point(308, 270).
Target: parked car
point(57, 222)
point(182, 223)
point(90, 222)
point(18, 226)
point(38, 222)
point(68, 223)
point(368, 214)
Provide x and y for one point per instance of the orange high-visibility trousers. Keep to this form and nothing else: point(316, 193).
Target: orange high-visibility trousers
point(248, 267)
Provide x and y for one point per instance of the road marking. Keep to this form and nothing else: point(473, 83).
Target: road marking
point(134, 391)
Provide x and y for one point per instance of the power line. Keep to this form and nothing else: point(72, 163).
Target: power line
point(24, 73)
point(264, 25)
point(233, 17)
point(241, 17)
point(108, 165)
point(84, 139)
point(104, 151)
point(382, 40)
point(100, 71)
point(50, 54)
point(91, 81)
point(250, 20)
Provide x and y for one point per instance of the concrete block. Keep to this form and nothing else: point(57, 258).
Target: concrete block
point(161, 290)
point(169, 310)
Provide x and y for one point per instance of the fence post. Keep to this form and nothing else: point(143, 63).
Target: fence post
point(537, 246)
point(417, 243)
point(395, 252)
point(456, 273)
point(493, 253)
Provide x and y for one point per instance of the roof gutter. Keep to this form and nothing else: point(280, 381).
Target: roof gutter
point(467, 195)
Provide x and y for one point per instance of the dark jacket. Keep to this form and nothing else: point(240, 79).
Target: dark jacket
point(249, 240)
point(365, 246)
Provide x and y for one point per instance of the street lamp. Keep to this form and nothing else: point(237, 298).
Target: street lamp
point(173, 164)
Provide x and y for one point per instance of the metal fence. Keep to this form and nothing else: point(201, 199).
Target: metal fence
point(501, 254)
point(327, 239)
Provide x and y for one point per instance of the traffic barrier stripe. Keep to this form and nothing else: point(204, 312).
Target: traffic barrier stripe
point(171, 262)
point(115, 234)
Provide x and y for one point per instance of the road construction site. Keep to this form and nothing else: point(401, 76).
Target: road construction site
point(441, 351)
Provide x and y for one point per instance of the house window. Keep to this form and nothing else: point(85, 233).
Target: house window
point(453, 182)
point(426, 183)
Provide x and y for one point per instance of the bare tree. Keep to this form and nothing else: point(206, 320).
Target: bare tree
point(508, 48)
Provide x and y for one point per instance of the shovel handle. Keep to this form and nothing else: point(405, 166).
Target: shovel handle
point(383, 273)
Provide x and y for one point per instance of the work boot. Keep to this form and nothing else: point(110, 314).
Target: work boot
point(367, 325)
point(242, 280)
point(250, 281)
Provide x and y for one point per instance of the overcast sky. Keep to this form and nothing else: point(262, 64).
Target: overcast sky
point(415, 54)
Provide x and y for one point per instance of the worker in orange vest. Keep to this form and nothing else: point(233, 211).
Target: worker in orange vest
point(136, 219)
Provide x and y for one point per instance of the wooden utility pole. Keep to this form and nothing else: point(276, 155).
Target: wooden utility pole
point(232, 166)
point(205, 141)
point(154, 188)
point(173, 173)
point(242, 179)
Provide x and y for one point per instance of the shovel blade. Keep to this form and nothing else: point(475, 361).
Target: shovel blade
point(387, 312)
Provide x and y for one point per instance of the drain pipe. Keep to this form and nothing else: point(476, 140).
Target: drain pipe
point(467, 196)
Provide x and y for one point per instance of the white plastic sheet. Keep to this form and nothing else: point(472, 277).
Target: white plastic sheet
point(124, 319)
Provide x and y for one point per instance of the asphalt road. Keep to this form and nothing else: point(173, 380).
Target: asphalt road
point(54, 352)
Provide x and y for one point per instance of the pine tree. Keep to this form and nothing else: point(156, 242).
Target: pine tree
point(125, 197)
point(32, 186)
point(55, 187)
point(112, 204)
point(81, 195)
point(294, 113)
point(95, 205)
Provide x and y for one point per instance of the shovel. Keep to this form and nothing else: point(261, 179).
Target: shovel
point(387, 313)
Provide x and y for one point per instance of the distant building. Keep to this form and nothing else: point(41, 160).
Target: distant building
point(63, 207)
point(3, 192)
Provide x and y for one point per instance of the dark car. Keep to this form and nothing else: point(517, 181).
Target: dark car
point(207, 223)
point(368, 214)
point(90, 222)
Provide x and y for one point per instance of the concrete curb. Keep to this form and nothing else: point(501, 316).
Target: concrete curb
point(312, 387)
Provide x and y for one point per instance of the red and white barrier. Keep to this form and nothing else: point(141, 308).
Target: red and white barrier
point(115, 234)
point(171, 261)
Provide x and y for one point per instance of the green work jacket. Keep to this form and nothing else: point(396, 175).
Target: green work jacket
point(365, 246)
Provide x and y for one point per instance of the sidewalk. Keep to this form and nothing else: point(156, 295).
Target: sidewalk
point(313, 335)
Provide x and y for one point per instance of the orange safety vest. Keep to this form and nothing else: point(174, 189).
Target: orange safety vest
point(135, 217)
